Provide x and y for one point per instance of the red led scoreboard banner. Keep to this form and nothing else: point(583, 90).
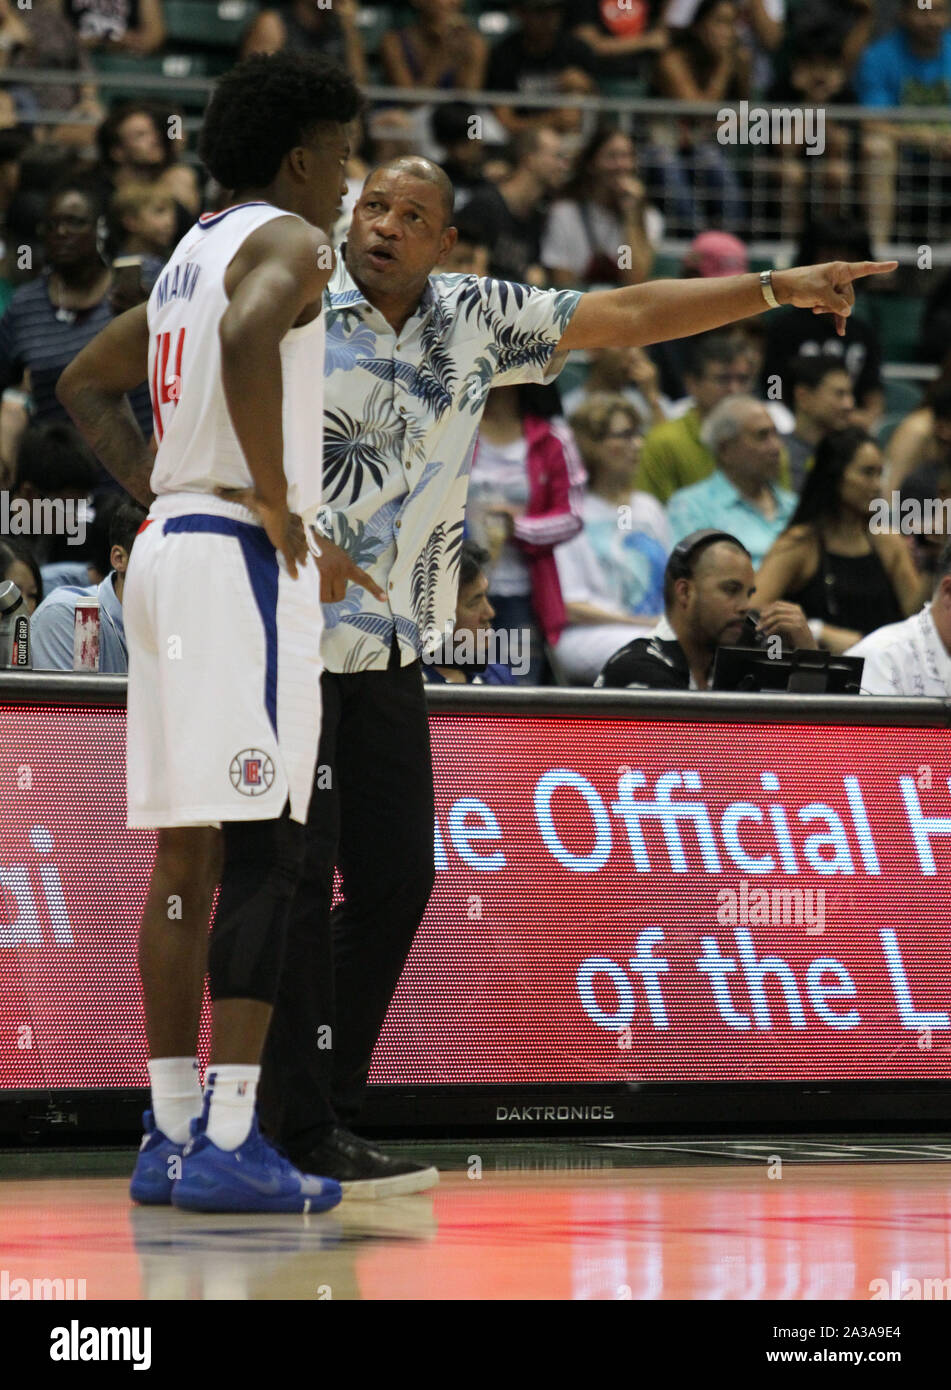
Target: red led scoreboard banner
point(616, 900)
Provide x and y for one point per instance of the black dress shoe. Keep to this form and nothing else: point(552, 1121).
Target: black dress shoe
point(363, 1171)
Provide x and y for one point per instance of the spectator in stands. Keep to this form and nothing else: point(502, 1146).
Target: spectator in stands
point(936, 324)
point(742, 495)
point(18, 564)
point(852, 24)
point(602, 231)
point(708, 591)
point(470, 255)
point(712, 254)
point(848, 579)
point(913, 658)
point(43, 167)
point(97, 547)
point(929, 479)
point(53, 43)
point(809, 186)
point(627, 372)
point(442, 49)
point(13, 31)
point(142, 221)
point(14, 34)
point(625, 37)
point(13, 143)
point(760, 29)
point(136, 146)
point(791, 334)
point(50, 319)
point(513, 212)
point(308, 26)
point(14, 418)
point(464, 658)
point(911, 66)
point(541, 57)
point(142, 226)
point(463, 154)
point(54, 463)
point(922, 442)
point(709, 255)
point(51, 629)
point(10, 115)
point(525, 493)
point(747, 337)
point(822, 400)
point(125, 26)
point(611, 575)
point(705, 62)
point(674, 456)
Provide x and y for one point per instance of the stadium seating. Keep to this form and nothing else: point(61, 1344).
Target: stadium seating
point(898, 320)
point(171, 66)
point(901, 396)
point(373, 22)
point(214, 24)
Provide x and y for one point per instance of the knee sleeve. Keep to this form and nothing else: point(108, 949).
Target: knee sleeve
point(261, 865)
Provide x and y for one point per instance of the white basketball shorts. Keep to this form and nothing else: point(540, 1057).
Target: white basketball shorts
point(223, 713)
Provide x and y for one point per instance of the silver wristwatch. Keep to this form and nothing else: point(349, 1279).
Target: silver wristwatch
point(766, 285)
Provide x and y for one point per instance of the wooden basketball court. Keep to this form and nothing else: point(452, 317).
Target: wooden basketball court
point(694, 1219)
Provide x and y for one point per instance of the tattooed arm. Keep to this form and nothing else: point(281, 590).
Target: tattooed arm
point(93, 389)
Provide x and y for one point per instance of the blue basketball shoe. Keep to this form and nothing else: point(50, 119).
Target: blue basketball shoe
point(154, 1174)
point(252, 1177)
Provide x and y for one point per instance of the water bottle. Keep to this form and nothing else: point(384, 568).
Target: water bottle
point(14, 628)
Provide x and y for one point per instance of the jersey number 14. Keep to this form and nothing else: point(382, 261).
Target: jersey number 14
point(166, 379)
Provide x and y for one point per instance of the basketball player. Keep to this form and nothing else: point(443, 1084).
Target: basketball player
point(222, 608)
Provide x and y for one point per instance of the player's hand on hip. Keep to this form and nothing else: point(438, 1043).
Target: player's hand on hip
point(284, 528)
point(337, 571)
point(826, 289)
point(285, 531)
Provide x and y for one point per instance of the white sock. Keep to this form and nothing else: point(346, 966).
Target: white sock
point(176, 1095)
point(233, 1089)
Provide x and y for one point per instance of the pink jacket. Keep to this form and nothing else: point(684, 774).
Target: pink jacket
point(556, 481)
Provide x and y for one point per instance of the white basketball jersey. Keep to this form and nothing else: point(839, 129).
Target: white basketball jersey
point(198, 450)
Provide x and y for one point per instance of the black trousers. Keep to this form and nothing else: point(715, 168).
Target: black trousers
point(371, 815)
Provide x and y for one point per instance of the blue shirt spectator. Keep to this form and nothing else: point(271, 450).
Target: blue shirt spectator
point(64, 572)
point(908, 68)
point(719, 503)
point(742, 496)
point(52, 625)
point(51, 628)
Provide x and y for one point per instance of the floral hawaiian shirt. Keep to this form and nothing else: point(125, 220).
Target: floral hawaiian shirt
point(401, 412)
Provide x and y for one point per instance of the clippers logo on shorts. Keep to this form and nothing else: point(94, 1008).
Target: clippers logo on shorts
point(252, 772)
